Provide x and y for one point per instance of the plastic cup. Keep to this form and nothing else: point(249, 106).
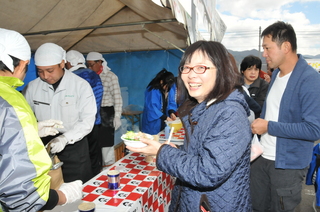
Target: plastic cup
point(113, 179)
point(177, 125)
point(87, 207)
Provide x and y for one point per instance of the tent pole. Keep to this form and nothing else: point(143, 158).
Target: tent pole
point(162, 39)
point(100, 26)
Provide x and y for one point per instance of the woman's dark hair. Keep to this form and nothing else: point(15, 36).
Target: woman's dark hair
point(281, 32)
point(250, 61)
point(227, 79)
point(163, 78)
point(15, 63)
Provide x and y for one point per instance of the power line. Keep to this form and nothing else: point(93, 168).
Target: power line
point(254, 32)
point(256, 35)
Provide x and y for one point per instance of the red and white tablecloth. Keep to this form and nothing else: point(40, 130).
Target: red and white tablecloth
point(142, 187)
point(177, 137)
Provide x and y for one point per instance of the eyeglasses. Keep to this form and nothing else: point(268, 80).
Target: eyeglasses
point(199, 69)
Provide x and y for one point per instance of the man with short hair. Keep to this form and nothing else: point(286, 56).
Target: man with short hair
point(24, 162)
point(111, 106)
point(289, 123)
point(62, 95)
point(76, 64)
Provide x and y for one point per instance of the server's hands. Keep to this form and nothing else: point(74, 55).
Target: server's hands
point(58, 144)
point(116, 122)
point(49, 127)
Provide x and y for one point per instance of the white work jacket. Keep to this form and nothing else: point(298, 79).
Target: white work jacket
point(73, 102)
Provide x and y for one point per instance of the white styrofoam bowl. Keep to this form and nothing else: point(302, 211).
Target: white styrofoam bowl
point(136, 144)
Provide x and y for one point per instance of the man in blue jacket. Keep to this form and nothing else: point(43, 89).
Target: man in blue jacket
point(76, 64)
point(289, 123)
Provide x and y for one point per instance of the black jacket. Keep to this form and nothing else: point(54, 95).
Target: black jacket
point(258, 90)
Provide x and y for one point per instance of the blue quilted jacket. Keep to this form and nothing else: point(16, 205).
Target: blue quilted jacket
point(215, 161)
point(95, 82)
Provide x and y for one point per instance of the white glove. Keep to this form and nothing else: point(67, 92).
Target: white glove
point(49, 127)
point(116, 122)
point(72, 191)
point(58, 144)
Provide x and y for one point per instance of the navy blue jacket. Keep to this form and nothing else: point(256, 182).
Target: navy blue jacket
point(215, 161)
point(298, 124)
point(313, 175)
point(95, 82)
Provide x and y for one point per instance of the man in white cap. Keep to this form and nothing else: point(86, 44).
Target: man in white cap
point(76, 64)
point(111, 106)
point(62, 95)
point(24, 163)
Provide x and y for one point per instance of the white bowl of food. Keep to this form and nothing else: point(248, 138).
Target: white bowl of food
point(133, 139)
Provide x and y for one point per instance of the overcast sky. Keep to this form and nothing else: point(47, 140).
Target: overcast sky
point(244, 17)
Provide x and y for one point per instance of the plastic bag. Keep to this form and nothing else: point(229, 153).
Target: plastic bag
point(204, 204)
point(256, 148)
point(55, 173)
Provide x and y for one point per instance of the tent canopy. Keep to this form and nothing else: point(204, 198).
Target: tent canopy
point(105, 26)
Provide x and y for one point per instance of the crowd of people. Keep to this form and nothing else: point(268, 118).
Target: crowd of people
point(75, 107)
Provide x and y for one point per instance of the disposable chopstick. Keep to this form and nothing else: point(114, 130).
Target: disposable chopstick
point(170, 135)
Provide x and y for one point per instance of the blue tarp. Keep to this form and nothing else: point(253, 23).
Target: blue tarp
point(134, 69)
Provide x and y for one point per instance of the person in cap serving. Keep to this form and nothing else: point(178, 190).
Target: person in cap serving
point(60, 94)
point(24, 162)
point(111, 106)
point(76, 64)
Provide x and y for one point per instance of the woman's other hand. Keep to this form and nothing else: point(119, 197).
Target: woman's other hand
point(152, 148)
point(173, 116)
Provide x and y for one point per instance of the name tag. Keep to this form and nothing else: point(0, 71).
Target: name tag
point(38, 103)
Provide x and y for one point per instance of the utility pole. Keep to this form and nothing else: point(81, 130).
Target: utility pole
point(259, 42)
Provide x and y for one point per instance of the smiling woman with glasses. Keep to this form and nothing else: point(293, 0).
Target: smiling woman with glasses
point(214, 162)
point(199, 69)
